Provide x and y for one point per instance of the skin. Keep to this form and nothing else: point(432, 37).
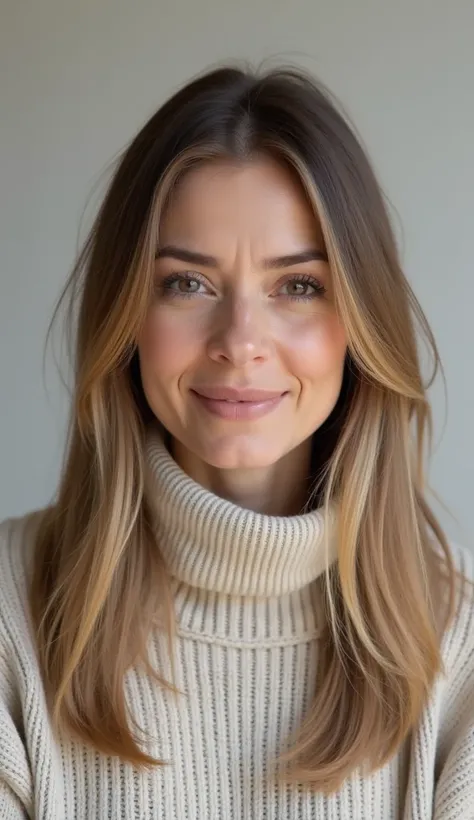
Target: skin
point(243, 322)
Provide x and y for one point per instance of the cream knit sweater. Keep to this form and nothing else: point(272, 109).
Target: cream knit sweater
point(247, 661)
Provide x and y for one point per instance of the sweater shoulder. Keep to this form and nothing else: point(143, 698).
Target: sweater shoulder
point(17, 644)
point(17, 541)
point(21, 711)
point(463, 559)
point(458, 641)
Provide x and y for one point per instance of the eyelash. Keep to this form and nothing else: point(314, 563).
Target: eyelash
point(180, 277)
point(303, 279)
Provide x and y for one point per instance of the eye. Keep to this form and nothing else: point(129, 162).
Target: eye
point(185, 284)
point(302, 287)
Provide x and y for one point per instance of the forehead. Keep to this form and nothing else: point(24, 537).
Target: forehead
point(261, 201)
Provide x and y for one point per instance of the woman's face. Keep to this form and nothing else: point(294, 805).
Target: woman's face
point(243, 302)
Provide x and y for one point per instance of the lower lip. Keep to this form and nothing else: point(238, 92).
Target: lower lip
point(239, 410)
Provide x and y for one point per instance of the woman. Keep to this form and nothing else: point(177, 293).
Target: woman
point(240, 604)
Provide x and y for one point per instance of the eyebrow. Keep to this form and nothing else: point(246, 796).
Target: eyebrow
point(287, 261)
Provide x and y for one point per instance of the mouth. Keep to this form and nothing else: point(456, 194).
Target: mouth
point(238, 405)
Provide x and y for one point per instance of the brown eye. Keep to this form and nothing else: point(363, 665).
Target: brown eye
point(302, 287)
point(184, 284)
point(187, 285)
point(298, 288)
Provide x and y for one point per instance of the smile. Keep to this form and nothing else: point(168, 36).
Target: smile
point(238, 405)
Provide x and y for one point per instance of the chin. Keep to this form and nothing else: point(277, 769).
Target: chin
point(240, 453)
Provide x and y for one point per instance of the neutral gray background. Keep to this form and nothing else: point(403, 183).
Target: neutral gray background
point(77, 79)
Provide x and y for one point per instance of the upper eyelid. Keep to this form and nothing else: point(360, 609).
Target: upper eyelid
point(176, 276)
point(185, 274)
point(189, 273)
point(309, 277)
point(306, 278)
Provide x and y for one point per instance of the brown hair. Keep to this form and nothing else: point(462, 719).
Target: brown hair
point(96, 555)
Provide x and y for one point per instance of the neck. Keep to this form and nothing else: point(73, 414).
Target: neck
point(280, 489)
point(212, 544)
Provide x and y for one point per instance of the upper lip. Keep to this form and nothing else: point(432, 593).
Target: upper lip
point(236, 394)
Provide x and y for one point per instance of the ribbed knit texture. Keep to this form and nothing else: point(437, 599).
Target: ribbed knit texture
point(247, 596)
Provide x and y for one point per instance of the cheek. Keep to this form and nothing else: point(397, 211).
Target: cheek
point(167, 347)
point(316, 349)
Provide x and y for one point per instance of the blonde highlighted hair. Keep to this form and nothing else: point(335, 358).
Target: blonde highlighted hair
point(100, 584)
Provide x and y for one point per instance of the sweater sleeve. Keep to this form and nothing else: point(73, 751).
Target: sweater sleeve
point(454, 796)
point(11, 807)
point(15, 777)
point(15, 774)
point(16, 787)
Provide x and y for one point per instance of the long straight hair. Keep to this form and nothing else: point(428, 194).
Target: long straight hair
point(96, 554)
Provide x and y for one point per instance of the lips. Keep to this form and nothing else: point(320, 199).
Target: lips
point(233, 394)
point(233, 404)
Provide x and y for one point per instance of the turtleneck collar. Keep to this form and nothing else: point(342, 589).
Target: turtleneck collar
point(211, 544)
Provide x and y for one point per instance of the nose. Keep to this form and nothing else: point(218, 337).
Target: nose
point(241, 334)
